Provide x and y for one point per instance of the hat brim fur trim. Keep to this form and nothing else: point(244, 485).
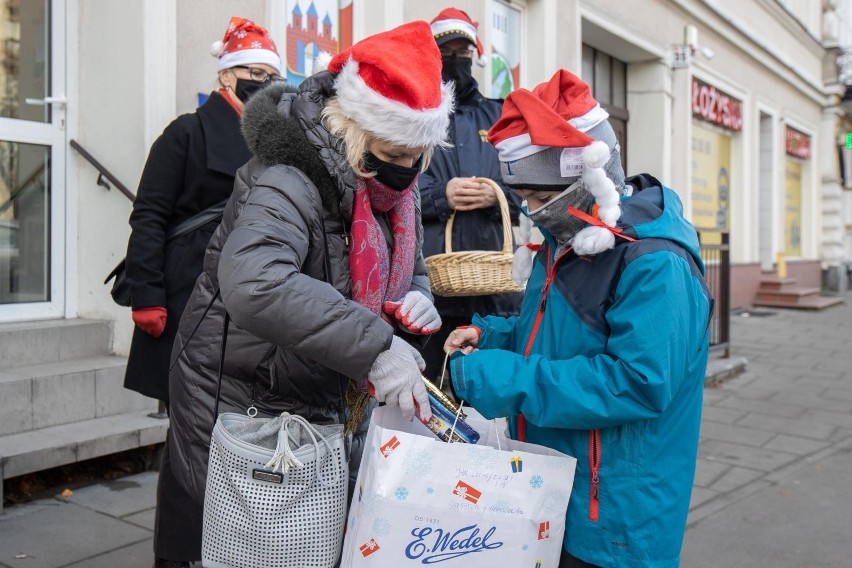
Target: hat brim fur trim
point(249, 56)
point(392, 120)
point(445, 27)
point(521, 146)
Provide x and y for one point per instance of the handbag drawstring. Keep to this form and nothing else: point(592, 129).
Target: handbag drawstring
point(284, 458)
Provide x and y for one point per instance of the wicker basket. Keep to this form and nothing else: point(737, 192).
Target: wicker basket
point(475, 272)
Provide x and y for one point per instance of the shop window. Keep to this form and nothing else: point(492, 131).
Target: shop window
point(607, 76)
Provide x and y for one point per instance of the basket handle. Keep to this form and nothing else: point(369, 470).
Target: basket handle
point(504, 214)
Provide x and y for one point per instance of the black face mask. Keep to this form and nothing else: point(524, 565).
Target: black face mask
point(246, 88)
point(398, 178)
point(458, 70)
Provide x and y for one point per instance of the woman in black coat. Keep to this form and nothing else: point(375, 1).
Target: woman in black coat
point(190, 169)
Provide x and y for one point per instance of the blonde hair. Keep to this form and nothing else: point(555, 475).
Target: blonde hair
point(356, 140)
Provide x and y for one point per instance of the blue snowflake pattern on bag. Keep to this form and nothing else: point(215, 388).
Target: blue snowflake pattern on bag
point(536, 481)
point(482, 457)
point(381, 527)
point(417, 462)
point(554, 462)
point(429, 490)
point(401, 493)
point(552, 502)
point(369, 500)
point(501, 506)
point(525, 547)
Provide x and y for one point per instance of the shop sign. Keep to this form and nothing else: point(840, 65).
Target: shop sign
point(797, 144)
point(715, 106)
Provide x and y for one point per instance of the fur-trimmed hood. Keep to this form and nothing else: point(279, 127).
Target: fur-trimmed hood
point(281, 125)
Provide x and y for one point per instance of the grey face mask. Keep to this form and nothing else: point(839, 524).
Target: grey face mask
point(554, 217)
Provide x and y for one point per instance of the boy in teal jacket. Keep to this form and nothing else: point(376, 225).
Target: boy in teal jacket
point(606, 361)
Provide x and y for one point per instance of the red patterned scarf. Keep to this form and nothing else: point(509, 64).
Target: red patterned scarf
point(379, 275)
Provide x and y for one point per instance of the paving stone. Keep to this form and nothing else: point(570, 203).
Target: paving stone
point(144, 519)
point(841, 435)
point(118, 497)
point(137, 555)
point(748, 391)
point(785, 525)
point(735, 478)
point(723, 415)
point(843, 419)
point(744, 456)
point(772, 407)
point(795, 445)
point(706, 472)
point(806, 426)
point(822, 401)
point(700, 496)
point(61, 534)
point(735, 434)
point(838, 393)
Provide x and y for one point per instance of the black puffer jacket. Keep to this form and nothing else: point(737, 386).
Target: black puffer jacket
point(281, 263)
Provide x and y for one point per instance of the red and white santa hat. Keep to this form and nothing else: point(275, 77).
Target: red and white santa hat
point(245, 43)
point(452, 23)
point(390, 85)
point(555, 135)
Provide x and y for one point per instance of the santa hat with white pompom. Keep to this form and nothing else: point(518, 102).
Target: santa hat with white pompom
point(245, 43)
point(554, 135)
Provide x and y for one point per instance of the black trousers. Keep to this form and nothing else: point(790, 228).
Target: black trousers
point(178, 520)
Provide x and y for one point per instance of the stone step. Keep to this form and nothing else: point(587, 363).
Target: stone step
point(771, 282)
point(56, 446)
point(801, 303)
point(790, 295)
point(50, 394)
point(50, 341)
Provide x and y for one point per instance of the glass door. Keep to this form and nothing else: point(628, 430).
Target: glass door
point(32, 159)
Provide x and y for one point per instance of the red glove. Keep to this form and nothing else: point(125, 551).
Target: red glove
point(151, 320)
point(415, 313)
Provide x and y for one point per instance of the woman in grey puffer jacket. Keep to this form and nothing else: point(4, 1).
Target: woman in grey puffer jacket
point(318, 257)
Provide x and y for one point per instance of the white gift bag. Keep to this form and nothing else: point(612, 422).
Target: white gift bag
point(419, 500)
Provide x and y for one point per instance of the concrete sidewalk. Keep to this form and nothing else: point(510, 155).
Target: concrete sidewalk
point(771, 489)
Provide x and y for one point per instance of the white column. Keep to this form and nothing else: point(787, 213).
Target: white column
point(649, 136)
point(832, 249)
point(160, 66)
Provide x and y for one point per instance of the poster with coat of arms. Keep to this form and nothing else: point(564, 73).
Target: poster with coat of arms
point(314, 26)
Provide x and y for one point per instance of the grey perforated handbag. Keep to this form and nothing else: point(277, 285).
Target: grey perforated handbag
point(276, 493)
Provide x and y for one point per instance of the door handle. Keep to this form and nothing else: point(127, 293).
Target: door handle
point(61, 100)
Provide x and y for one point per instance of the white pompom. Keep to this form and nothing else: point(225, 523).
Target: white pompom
point(481, 60)
point(522, 265)
point(596, 154)
point(592, 240)
point(216, 48)
point(525, 226)
point(321, 61)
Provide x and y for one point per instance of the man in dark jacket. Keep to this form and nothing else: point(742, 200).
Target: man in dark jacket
point(447, 188)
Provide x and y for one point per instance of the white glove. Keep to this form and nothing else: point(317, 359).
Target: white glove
point(416, 313)
point(396, 379)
